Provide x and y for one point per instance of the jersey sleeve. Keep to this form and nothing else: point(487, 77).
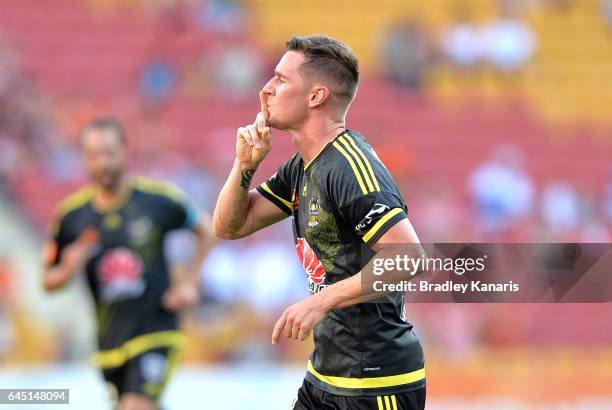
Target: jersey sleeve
point(370, 216)
point(57, 241)
point(179, 212)
point(364, 192)
point(277, 189)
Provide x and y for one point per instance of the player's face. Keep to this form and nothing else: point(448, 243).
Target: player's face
point(105, 157)
point(287, 93)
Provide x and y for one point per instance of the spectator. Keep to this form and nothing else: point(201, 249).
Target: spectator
point(560, 210)
point(157, 81)
point(408, 53)
point(501, 190)
point(509, 42)
point(462, 43)
point(237, 69)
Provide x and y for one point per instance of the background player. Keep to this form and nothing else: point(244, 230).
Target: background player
point(114, 229)
point(342, 200)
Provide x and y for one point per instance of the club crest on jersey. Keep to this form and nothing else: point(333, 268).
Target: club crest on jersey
point(312, 265)
point(120, 275)
point(313, 211)
point(139, 231)
point(375, 213)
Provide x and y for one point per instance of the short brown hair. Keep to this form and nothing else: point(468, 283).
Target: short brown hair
point(332, 59)
point(106, 123)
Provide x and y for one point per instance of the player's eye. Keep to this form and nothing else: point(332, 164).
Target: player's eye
point(279, 79)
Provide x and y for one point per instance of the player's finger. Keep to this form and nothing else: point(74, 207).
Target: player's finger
point(278, 327)
point(260, 122)
point(295, 331)
point(303, 335)
point(244, 134)
point(254, 136)
point(288, 327)
point(264, 106)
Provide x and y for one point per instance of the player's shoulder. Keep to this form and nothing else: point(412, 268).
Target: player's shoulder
point(353, 162)
point(74, 202)
point(154, 189)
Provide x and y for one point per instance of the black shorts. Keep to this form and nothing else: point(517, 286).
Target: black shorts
point(313, 398)
point(145, 374)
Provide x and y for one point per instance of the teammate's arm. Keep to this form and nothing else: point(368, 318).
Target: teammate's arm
point(299, 319)
point(185, 292)
point(240, 212)
point(73, 259)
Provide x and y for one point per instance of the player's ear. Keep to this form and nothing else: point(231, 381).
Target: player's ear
point(318, 95)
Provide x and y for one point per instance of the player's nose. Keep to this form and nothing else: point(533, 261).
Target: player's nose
point(268, 89)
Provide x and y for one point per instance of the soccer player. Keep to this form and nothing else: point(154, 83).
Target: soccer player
point(114, 231)
point(342, 199)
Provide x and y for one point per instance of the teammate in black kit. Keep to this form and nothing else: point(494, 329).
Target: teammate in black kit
point(345, 208)
point(114, 230)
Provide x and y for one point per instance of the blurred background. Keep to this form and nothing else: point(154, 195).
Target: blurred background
point(495, 118)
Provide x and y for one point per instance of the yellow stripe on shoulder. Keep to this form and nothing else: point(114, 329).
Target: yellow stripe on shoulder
point(365, 159)
point(352, 164)
point(158, 187)
point(75, 200)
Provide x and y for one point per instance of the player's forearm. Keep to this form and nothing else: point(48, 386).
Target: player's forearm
point(56, 277)
point(204, 242)
point(232, 207)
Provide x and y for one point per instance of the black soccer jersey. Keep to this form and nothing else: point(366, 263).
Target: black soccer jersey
point(342, 202)
point(127, 272)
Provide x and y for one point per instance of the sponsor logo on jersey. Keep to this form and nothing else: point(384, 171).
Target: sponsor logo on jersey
point(120, 274)
point(312, 265)
point(376, 212)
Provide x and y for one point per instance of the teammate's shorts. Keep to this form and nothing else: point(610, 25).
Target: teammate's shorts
point(313, 398)
point(145, 374)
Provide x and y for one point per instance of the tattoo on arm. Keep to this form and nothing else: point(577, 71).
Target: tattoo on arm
point(247, 176)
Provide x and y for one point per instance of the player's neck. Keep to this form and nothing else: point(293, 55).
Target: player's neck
point(312, 138)
point(107, 199)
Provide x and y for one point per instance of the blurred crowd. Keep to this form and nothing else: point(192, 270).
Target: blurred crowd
point(211, 62)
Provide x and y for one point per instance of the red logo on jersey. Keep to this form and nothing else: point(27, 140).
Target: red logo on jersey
point(310, 262)
point(120, 264)
point(120, 275)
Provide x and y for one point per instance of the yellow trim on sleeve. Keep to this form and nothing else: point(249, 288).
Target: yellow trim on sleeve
point(350, 160)
point(76, 200)
point(368, 382)
point(356, 157)
point(160, 188)
point(394, 402)
point(387, 403)
point(365, 159)
point(137, 346)
point(284, 201)
point(380, 223)
point(379, 401)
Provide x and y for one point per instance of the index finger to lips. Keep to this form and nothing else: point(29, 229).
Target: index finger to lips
point(264, 105)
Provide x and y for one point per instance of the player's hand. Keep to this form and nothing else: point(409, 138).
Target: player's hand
point(253, 142)
point(181, 296)
point(75, 255)
point(298, 320)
